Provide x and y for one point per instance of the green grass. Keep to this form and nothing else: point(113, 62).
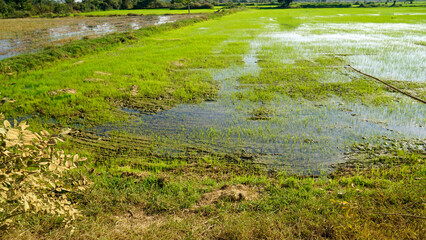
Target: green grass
point(130, 202)
point(156, 64)
point(141, 191)
point(104, 81)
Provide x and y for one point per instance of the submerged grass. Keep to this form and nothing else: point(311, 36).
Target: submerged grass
point(303, 80)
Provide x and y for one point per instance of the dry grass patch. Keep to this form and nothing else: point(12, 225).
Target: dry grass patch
point(237, 193)
point(135, 222)
point(65, 90)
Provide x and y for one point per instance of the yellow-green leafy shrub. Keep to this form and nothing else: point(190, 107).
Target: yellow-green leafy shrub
point(32, 174)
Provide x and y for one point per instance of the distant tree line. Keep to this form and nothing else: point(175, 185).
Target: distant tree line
point(26, 8)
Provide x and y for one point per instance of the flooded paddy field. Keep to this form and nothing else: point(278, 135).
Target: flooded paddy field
point(26, 35)
point(252, 116)
point(251, 125)
point(272, 86)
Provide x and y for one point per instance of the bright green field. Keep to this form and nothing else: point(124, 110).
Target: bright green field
point(268, 87)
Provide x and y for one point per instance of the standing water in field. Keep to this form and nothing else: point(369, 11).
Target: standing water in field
point(18, 36)
point(390, 51)
point(295, 134)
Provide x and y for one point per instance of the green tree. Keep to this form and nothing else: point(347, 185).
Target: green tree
point(186, 3)
point(285, 3)
point(4, 8)
point(126, 4)
point(144, 4)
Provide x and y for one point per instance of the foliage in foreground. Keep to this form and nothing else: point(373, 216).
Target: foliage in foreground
point(31, 174)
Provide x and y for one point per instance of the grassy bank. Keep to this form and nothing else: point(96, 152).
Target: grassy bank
point(280, 99)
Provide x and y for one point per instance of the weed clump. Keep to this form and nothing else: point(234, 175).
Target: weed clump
point(261, 113)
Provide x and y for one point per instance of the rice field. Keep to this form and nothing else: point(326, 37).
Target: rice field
point(296, 134)
point(277, 84)
point(250, 125)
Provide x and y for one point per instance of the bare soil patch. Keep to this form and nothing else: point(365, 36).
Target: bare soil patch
point(234, 193)
point(65, 90)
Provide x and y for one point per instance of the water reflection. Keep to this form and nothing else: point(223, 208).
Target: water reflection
point(76, 28)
